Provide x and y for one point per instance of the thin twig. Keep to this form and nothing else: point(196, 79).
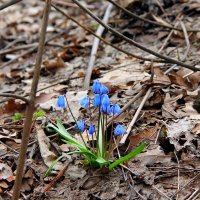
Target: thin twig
point(195, 194)
point(149, 21)
point(10, 3)
point(31, 106)
point(132, 186)
point(135, 116)
point(186, 40)
point(189, 182)
point(135, 98)
point(178, 173)
point(95, 46)
point(10, 50)
point(15, 96)
point(31, 50)
point(47, 187)
point(170, 60)
point(105, 41)
point(19, 56)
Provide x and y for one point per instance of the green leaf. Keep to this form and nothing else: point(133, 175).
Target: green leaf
point(17, 116)
point(53, 164)
point(65, 134)
point(100, 136)
point(39, 113)
point(128, 156)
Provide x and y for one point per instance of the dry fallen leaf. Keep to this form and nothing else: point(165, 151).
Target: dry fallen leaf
point(44, 145)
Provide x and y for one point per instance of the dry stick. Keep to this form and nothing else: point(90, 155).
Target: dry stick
point(31, 106)
point(178, 173)
point(139, 94)
point(149, 21)
point(47, 187)
point(5, 51)
point(95, 46)
point(105, 41)
point(197, 176)
point(29, 51)
point(170, 60)
point(15, 96)
point(10, 3)
point(194, 194)
point(136, 116)
point(17, 57)
point(186, 40)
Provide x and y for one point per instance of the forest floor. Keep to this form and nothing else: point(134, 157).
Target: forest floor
point(169, 167)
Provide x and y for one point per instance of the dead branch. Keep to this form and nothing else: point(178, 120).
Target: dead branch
point(170, 60)
point(31, 106)
point(95, 46)
point(150, 21)
point(10, 3)
point(105, 41)
point(15, 97)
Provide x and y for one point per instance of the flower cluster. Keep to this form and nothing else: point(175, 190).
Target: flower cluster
point(102, 100)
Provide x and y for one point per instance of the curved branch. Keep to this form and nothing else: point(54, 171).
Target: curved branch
point(10, 3)
point(15, 97)
point(149, 21)
point(105, 41)
point(170, 60)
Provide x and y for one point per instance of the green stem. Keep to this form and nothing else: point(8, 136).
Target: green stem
point(103, 136)
point(111, 136)
point(75, 121)
point(97, 135)
point(106, 135)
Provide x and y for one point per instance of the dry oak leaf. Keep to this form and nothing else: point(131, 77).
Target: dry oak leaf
point(5, 171)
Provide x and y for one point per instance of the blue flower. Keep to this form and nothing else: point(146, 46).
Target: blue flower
point(115, 109)
point(81, 125)
point(105, 109)
point(105, 101)
point(119, 130)
point(97, 100)
point(61, 101)
point(96, 87)
point(91, 129)
point(103, 89)
point(85, 102)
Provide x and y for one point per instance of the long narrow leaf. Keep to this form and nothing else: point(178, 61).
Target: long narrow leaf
point(64, 133)
point(128, 156)
point(53, 164)
point(100, 136)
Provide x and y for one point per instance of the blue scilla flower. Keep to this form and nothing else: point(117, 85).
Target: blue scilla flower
point(61, 101)
point(103, 89)
point(96, 87)
point(105, 101)
point(97, 100)
point(91, 129)
point(105, 109)
point(81, 125)
point(115, 109)
point(119, 130)
point(85, 102)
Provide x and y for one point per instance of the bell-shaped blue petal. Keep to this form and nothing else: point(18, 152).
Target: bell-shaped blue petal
point(103, 89)
point(96, 87)
point(81, 125)
point(97, 100)
point(119, 130)
point(91, 129)
point(61, 101)
point(85, 102)
point(115, 109)
point(105, 101)
point(106, 109)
